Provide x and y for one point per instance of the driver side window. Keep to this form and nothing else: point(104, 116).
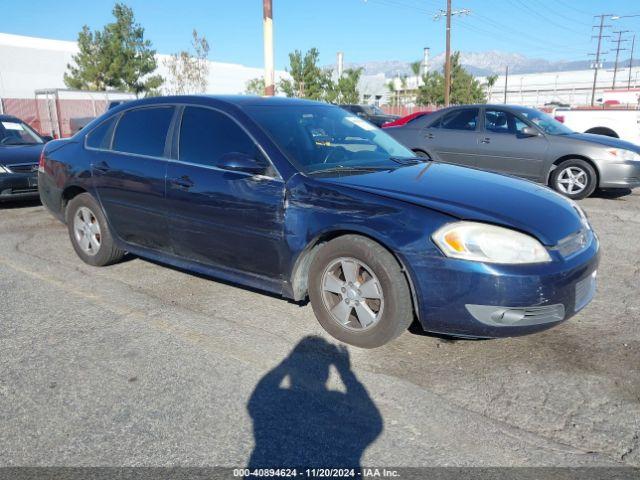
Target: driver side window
point(207, 135)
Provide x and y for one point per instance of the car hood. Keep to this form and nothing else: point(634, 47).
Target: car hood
point(20, 154)
point(604, 140)
point(471, 194)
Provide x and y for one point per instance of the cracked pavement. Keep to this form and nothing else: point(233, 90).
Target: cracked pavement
point(141, 364)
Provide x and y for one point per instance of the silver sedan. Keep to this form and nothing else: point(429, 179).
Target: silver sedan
point(526, 143)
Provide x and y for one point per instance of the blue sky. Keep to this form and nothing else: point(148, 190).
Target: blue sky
point(364, 30)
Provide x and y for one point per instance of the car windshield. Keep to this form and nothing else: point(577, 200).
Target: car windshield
point(14, 132)
point(544, 122)
point(319, 138)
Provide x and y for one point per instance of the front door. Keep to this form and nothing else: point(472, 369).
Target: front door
point(503, 148)
point(128, 170)
point(225, 218)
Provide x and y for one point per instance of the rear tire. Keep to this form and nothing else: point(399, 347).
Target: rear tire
point(574, 178)
point(359, 293)
point(89, 232)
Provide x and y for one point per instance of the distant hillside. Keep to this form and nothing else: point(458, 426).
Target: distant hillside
point(484, 63)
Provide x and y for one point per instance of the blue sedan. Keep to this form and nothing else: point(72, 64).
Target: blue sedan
point(306, 200)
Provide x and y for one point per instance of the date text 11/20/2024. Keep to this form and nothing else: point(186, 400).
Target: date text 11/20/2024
point(316, 472)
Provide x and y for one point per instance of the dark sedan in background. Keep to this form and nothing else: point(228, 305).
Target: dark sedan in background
point(371, 113)
point(523, 142)
point(20, 148)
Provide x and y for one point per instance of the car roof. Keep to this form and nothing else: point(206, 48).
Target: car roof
point(230, 100)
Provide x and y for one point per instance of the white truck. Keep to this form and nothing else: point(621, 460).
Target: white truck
point(619, 123)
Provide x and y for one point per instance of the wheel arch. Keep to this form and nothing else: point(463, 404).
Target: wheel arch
point(609, 132)
point(299, 278)
point(572, 157)
point(69, 193)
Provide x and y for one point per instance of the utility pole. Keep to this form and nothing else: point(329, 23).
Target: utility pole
point(618, 49)
point(447, 62)
point(596, 64)
point(506, 82)
point(267, 21)
point(633, 44)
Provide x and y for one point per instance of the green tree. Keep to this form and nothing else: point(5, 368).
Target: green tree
point(464, 87)
point(490, 82)
point(189, 71)
point(255, 86)
point(117, 57)
point(345, 89)
point(415, 69)
point(308, 80)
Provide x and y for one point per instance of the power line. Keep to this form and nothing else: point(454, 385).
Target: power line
point(562, 15)
point(543, 17)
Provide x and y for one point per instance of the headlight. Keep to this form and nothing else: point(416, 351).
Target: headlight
point(4, 169)
point(481, 242)
point(622, 154)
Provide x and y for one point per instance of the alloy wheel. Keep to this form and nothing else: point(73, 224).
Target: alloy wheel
point(572, 180)
point(352, 294)
point(87, 231)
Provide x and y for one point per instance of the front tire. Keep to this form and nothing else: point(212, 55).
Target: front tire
point(574, 178)
point(89, 232)
point(359, 293)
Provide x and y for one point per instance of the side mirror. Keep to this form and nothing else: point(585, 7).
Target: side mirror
point(240, 162)
point(361, 114)
point(529, 132)
point(47, 138)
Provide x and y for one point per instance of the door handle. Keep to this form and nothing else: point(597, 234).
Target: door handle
point(182, 183)
point(101, 167)
point(485, 140)
point(428, 136)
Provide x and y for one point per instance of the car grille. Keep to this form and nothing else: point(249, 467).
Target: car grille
point(585, 290)
point(23, 167)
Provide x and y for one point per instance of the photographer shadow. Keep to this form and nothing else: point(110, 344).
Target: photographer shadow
point(299, 423)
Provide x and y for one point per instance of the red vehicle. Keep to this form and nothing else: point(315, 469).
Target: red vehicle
point(404, 120)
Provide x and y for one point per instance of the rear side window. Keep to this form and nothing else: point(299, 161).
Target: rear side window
point(462, 119)
point(206, 135)
point(100, 137)
point(143, 131)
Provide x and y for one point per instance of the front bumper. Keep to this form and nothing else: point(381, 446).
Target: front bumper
point(18, 185)
point(471, 299)
point(620, 174)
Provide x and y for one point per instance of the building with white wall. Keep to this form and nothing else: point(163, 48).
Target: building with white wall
point(28, 64)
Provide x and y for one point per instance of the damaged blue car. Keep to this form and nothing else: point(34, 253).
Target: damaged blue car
point(307, 200)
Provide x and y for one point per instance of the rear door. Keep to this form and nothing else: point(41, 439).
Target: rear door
point(230, 219)
point(128, 163)
point(503, 148)
point(453, 136)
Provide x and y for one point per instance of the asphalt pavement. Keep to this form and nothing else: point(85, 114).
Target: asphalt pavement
point(142, 364)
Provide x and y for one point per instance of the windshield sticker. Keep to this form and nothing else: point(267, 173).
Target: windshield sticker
point(12, 126)
point(361, 123)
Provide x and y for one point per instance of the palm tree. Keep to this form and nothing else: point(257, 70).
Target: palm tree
point(491, 81)
point(415, 68)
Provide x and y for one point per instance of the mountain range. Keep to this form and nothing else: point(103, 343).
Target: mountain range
point(484, 63)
